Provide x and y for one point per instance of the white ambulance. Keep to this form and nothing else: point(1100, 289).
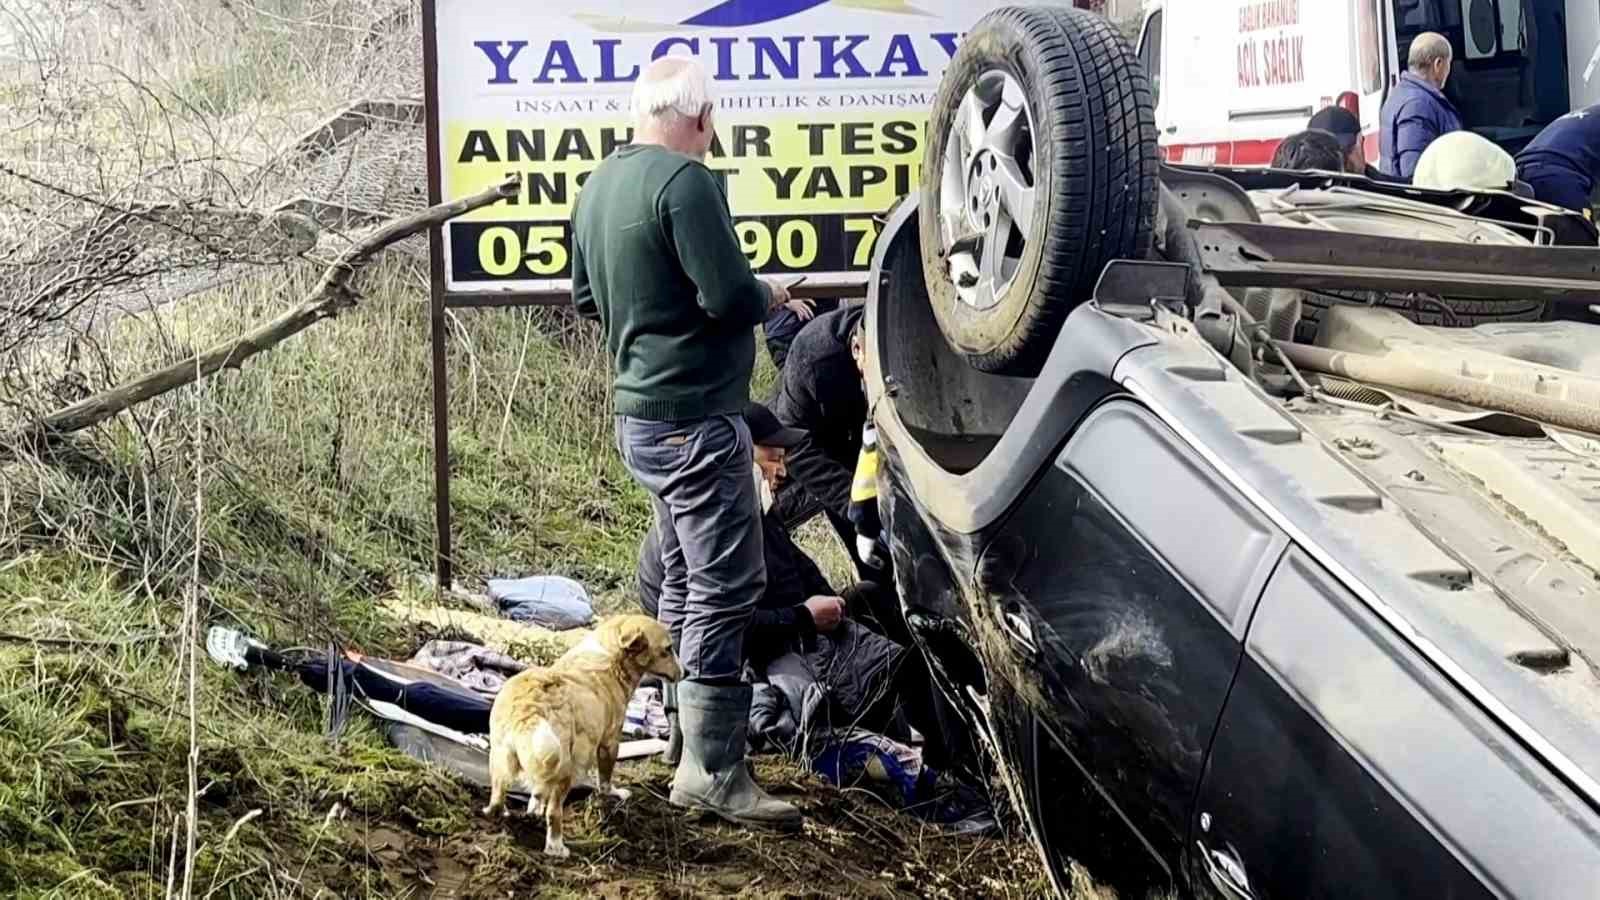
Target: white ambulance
point(1234, 77)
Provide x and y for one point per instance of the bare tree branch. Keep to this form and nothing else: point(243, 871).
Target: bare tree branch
point(331, 296)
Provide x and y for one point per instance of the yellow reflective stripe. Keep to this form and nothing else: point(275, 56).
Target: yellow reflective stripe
point(865, 484)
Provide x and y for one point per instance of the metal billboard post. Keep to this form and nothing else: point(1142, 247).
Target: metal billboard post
point(441, 405)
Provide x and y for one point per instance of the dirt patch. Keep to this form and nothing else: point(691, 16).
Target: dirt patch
point(644, 848)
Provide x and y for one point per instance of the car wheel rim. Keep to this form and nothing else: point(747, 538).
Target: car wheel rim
point(986, 189)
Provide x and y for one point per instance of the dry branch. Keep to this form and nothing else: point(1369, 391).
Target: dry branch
point(331, 296)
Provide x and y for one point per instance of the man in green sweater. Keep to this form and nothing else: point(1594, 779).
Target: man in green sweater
point(655, 259)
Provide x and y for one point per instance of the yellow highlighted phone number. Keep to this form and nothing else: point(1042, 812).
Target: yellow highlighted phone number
point(541, 250)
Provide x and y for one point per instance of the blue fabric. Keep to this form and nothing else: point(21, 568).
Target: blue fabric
point(1415, 114)
point(548, 601)
point(1562, 162)
point(869, 761)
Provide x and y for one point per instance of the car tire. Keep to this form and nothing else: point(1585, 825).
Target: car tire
point(1042, 130)
point(1454, 312)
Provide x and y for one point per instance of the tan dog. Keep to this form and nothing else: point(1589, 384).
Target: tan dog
point(550, 727)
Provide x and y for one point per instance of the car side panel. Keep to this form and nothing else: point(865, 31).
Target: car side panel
point(1118, 582)
point(1345, 766)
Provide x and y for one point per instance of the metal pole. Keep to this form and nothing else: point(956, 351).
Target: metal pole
point(441, 417)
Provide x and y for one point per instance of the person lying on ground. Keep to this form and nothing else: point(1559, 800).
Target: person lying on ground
point(803, 623)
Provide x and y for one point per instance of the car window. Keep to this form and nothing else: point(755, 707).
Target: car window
point(1150, 55)
point(1218, 543)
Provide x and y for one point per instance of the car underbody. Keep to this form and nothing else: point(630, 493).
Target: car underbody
point(1444, 476)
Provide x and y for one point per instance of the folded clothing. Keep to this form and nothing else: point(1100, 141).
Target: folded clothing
point(647, 715)
point(474, 665)
point(549, 601)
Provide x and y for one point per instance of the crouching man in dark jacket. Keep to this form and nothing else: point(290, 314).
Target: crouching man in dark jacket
point(1563, 161)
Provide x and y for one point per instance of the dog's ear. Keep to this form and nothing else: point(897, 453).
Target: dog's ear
point(635, 642)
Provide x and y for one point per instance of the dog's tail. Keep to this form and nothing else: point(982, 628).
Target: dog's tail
point(545, 755)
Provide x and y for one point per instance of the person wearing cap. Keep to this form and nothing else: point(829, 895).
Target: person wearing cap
point(1345, 129)
point(1562, 163)
point(802, 623)
point(1417, 112)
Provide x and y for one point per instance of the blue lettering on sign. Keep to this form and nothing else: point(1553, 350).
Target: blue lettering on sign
point(500, 61)
point(832, 57)
point(767, 51)
point(723, 71)
point(612, 60)
point(608, 62)
point(901, 53)
point(665, 47)
point(559, 56)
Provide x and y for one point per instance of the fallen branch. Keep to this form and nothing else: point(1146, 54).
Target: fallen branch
point(331, 296)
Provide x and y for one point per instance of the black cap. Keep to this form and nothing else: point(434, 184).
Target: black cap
point(1339, 122)
point(766, 430)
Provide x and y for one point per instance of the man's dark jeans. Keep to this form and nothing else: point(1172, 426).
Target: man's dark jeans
point(700, 475)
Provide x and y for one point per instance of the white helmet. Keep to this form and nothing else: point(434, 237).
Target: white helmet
point(1462, 160)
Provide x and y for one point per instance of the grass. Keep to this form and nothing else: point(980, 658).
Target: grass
point(311, 493)
point(293, 499)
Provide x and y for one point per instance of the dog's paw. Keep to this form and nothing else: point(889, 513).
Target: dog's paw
point(556, 848)
point(618, 793)
point(488, 810)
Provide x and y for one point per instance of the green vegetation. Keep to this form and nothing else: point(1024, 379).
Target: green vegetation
point(312, 471)
point(293, 499)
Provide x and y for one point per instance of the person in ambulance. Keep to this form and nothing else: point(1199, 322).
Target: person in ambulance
point(1417, 112)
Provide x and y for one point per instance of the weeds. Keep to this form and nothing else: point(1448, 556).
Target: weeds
point(293, 499)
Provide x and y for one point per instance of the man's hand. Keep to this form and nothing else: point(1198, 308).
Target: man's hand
point(804, 307)
point(779, 292)
point(826, 612)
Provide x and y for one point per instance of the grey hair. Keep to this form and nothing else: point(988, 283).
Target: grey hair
point(1428, 48)
point(671, 85)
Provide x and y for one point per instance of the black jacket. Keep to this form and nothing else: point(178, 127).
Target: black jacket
point(780, 617)
point(822, 394)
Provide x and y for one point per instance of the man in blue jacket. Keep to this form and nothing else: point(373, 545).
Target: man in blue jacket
point(1562, 162)
point(1417, 110)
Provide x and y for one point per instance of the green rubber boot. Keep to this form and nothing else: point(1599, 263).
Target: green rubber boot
point(669, 701)
point(713, 776)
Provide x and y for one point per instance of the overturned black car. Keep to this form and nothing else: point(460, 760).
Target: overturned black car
point(1252, 518)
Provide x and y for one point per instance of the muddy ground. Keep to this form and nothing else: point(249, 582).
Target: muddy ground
point(643, 848)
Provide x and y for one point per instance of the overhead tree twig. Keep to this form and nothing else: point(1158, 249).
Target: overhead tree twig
point(331, 296)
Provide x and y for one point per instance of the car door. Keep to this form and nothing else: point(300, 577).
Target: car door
point(1346, 766)
point(1124, 582)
